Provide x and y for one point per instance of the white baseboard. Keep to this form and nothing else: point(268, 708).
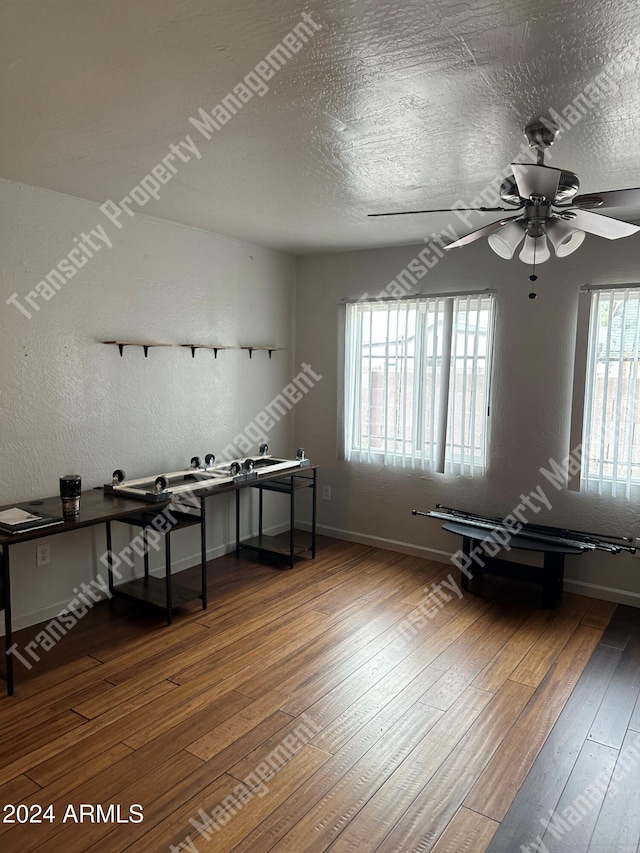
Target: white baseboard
point(605, 593)
point(589, 590)
point(379, 542)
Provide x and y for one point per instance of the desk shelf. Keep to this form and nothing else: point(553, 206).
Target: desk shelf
point(152, 590)
point(163, 593)
point(293, 542)
point(145, 517)
point(299, 482)
point(280, 545)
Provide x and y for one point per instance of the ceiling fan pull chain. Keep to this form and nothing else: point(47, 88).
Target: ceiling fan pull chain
point(533, 276)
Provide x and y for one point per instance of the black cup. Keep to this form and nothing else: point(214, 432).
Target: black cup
point(70, 491)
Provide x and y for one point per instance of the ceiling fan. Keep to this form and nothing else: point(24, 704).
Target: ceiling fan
point(548, 209)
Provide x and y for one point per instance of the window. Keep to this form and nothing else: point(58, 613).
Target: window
point(417, 377)
point(610, 435)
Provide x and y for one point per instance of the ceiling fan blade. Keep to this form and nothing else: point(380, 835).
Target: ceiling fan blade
point(613, 198)
point(536, 180)
point(602, 226)
point(480, 232)
point(446, 210)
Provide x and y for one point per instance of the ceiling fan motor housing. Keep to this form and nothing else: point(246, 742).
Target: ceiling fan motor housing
point(541, 133)
point(568, 186)
point(535, 218)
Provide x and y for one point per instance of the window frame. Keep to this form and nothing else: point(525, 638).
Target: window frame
point(583, 482)
point(436, 455)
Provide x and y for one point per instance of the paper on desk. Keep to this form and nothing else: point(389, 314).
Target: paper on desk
point(17, 516)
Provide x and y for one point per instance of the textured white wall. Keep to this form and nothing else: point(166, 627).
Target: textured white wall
point(70, 404)
point(534, 349)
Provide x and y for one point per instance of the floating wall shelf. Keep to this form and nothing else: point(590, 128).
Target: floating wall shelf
point(214, 347)
point(266, 349)
point(193, 347)
point(122, 344)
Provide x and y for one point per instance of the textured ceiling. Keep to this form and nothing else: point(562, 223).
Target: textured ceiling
point(388, 106)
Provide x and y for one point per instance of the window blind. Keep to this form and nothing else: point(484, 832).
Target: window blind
point(417, 382)
point(611, 441)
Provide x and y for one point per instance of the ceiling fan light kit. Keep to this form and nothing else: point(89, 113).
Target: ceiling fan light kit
point(546, 205)
point(535, 250)
point(564, 238)
point(505, 241)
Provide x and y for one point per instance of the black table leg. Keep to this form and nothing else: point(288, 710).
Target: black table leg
point(292, 519)
point(109, 560)
point(466, 549)
point(560, 579)
point(552, 580)
point(203, 549)
point(237, 522)
point(145, 548)
point(313, 513)
point(8, 640)
point(167, 580)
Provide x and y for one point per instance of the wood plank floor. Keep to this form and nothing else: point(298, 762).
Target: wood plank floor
point(339, 706)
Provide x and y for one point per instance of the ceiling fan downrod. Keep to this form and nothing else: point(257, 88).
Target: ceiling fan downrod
point(541, 135)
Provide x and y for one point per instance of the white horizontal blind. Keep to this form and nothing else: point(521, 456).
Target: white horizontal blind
point(416, 382)
point(611, 442)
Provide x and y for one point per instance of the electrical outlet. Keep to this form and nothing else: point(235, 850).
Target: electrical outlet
point(43, 555)
point(326, 493)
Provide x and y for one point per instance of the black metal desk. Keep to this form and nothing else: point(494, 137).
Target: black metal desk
point(95, 508)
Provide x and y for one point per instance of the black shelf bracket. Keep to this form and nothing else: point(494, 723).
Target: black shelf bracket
point(194, 347)
point(145, 346)
point(270, 350)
